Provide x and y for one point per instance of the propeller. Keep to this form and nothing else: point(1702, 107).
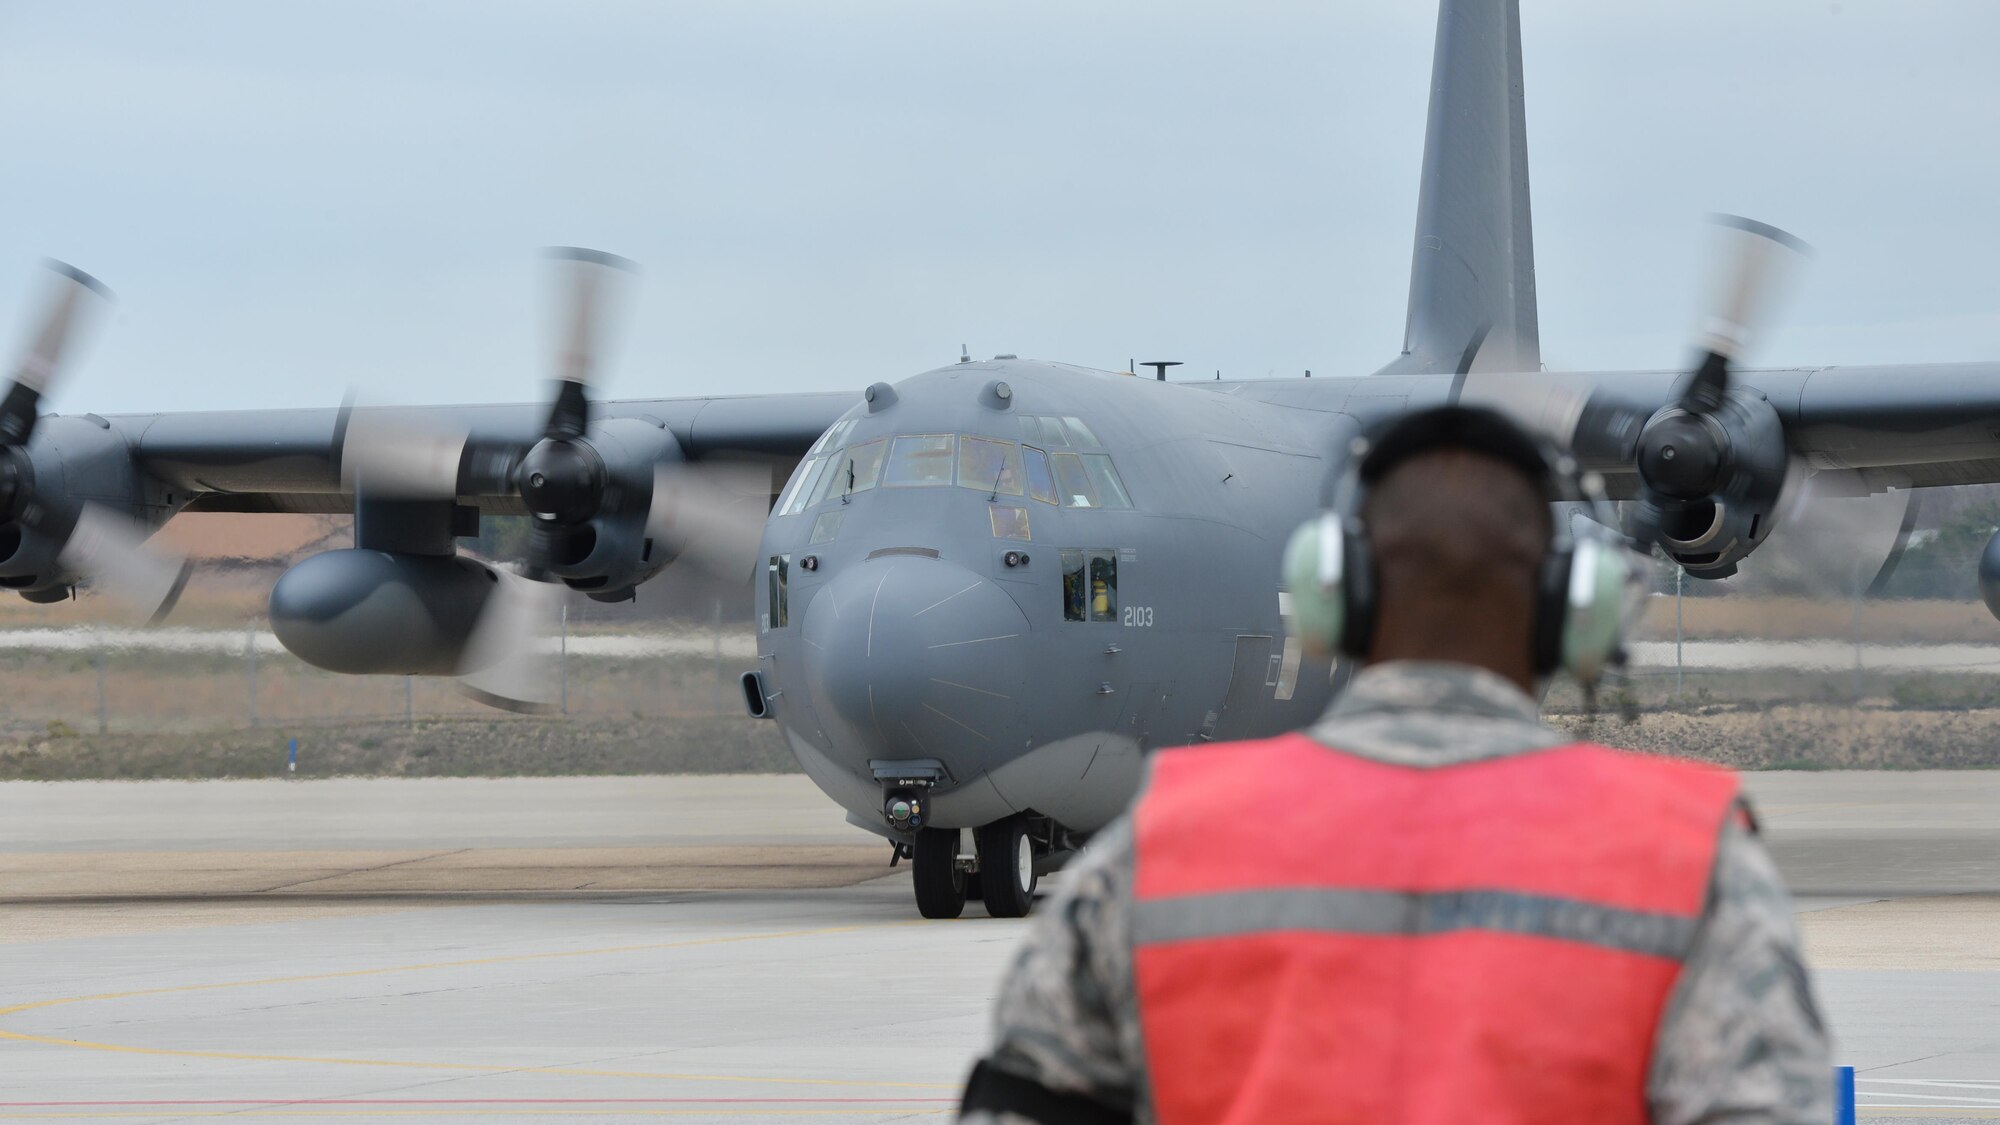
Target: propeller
point(709, 515)
point(1683, 455)
point(1715, 475)
point(103, 548)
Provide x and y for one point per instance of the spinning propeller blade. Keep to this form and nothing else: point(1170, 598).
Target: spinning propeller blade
point(508, 662)
point(108, 551)
point(75, 299)
point(596, 284)
point(711, 515)
point(104, 549)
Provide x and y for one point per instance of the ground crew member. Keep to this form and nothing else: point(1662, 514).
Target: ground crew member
point(1429, 906)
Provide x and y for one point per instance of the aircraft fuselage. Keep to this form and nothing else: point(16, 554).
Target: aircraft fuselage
point(934, 604)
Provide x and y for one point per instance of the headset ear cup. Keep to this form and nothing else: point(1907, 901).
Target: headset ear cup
point(1319, 610)
point(1595, 608)
point(1552, 610)
point(1359, 589)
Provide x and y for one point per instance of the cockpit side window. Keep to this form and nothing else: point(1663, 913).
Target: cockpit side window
point(1080, 435)
point(1074, 599)
point(1090, 584)
point(1041, 478)
point(989, 466)
point(832, 438)
point(1104, 476)
point(1104, 585)
point(1077, 491)
point(919, 459)
point(778, 597)
point(835, 467)
point(800, 490)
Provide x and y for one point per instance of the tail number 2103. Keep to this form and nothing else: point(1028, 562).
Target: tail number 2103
point(1140, 616)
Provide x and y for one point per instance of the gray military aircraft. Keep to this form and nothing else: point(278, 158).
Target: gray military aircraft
point(983, 591)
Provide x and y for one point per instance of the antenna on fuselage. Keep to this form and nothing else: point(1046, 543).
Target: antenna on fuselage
point(964, 354)
point(1160, 366)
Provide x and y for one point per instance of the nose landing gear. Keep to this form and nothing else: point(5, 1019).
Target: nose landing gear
point(1006, 866)
point(1001, 869)
point(938, 873)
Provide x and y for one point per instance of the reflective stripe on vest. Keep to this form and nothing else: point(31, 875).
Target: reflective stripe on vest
point(1323, 937)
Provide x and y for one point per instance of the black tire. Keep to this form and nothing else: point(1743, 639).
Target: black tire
point(934, 869)
point(1006, 867)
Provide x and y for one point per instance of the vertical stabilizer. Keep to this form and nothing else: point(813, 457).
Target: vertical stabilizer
point(1472, 277)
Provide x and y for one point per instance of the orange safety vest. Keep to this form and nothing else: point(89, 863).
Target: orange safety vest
point(1321, 937)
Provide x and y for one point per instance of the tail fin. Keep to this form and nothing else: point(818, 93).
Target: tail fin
point(1472, 277)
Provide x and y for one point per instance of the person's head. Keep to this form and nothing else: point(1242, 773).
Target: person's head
point(1459, 537)
point(1443, 548)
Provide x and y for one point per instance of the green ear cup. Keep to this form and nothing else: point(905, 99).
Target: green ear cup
point(1319, 608)
point(1600, 575)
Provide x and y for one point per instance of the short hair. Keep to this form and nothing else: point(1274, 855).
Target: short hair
point(1456, 526)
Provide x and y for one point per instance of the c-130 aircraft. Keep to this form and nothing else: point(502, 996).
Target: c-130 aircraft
point(983, 591)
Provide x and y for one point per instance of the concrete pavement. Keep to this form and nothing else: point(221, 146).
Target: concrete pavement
point(171, 951)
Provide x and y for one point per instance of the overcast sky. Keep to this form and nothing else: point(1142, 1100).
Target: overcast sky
point(294, 199)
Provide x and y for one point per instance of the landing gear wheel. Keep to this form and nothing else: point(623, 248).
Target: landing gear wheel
point(939, 882)
point(1006, 867)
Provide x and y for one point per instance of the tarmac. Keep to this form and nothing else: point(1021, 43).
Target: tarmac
point(720, 949)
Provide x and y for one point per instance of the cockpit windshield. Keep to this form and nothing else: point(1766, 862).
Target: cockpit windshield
point(919, 459)
point(1073, 475)
point(992, 465)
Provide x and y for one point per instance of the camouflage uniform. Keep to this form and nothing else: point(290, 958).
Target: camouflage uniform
point(1741, 1038)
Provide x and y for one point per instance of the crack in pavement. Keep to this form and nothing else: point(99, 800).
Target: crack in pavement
point(359, 870)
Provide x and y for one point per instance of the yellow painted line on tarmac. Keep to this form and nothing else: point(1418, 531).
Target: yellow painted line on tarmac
point(495, 1068)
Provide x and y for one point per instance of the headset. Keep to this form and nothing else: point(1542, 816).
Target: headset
point(1588, 575)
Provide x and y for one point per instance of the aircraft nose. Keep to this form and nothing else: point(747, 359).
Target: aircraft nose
point(914, 657)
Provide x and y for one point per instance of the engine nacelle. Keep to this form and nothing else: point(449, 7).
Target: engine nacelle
point(367, 612)
point(611, 552)
point(28, 563)
point(1727, 469)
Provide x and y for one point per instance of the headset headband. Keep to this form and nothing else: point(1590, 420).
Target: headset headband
point(1476, 428)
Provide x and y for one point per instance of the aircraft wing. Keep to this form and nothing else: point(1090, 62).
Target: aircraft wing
point(79, 496)
point(1903, 426)
point(1875, 428)
point(289, 460)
